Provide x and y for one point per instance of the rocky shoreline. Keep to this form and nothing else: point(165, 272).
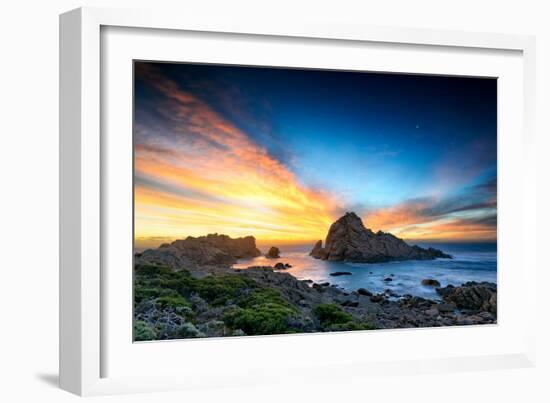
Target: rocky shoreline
point(190, 289)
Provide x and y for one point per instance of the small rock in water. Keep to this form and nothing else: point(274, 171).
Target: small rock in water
point(388, 279)
point(288, 265)
point(273, 252)
point(280, 266)
point(341, 273)
point(431, 282)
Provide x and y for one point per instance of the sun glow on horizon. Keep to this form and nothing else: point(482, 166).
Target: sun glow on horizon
point(197, 172)
point(208, 177)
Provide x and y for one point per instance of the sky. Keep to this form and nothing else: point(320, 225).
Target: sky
point(280, 154)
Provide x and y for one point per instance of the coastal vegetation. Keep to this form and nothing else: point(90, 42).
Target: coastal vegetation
point(189, 289)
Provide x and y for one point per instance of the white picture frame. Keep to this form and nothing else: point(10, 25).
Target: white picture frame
point(87, 343)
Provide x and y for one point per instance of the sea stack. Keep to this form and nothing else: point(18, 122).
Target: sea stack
point(348, 240)
point(273, 253)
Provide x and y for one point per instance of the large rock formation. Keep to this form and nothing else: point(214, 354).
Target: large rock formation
point(210, 250)
point(348, 240)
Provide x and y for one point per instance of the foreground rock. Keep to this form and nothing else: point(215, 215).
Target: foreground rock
point(273, 253)
point(431, 282)
point(472, 296)
point(348, 240)
point(209, 250)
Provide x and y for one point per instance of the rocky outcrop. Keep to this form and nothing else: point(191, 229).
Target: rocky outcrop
point(273, 253)
point(318, 252)
point(430, 282)
point(472, 296)
point(348, 240)
point(209, 250)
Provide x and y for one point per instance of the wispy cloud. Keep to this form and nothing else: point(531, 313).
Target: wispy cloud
point(469, 214)
point(199, 173)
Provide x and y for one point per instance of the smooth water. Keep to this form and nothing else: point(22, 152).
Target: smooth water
point(471, 262)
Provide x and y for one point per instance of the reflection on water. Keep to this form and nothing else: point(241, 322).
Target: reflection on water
point(471, 262)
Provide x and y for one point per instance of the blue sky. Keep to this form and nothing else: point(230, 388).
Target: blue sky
point(384, 145)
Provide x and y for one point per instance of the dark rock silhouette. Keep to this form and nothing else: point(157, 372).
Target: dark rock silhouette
point(212, 249)
point(348, 240)
point(431, 282)
point(273, 252)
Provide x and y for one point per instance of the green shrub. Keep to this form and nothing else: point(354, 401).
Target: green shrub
point(217, 290)
point(330, 314)
point(255, 309)
point(266, 318)
point(173, 301)
point(143, 332)
point(260, 296)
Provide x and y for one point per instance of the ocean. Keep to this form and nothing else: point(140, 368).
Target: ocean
point(471, 262)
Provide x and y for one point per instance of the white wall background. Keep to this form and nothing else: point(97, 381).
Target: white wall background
point(29, 187)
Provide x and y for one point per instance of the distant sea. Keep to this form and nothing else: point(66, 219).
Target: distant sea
point(471, 262)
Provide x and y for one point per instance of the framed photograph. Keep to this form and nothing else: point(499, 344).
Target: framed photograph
point(274, 200)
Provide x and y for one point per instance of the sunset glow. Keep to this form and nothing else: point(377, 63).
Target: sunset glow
point(212, 156)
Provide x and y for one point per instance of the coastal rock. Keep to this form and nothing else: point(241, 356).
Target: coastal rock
point(318, 252)
point(445, 307)
point(431, 282)
point(273, 253)
point(363, 291)
point(348, 240)
point(388, 279)
point(341, 273)
point(212, 249)
point(280, 266)
point(472, 296)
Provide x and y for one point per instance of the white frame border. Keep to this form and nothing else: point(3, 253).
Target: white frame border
point(80, 164)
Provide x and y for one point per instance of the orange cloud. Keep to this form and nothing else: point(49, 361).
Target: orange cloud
point(206, 175)
point(411, 221)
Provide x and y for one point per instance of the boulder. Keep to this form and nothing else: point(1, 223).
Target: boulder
point(280, 266)
point(431, 282)
point(445, 307)
point(273, 253)
point(377, 298)
point(472, 296)
point(363, 291)
point(341, 273)
point(349, 240)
